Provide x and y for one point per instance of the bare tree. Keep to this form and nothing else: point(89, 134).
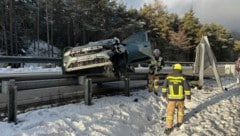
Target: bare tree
point(52, 28)
point(38, 15)
point(11, 25)
point(15, 29)
point(4, 26)
point(47, 29)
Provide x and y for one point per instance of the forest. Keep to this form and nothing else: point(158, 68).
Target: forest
point(69, 23)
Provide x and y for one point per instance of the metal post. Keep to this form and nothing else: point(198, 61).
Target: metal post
point(127, 87)
point(81, 80)
point(88, 92)
point(12, 107)
point(217, 76)
point(5, 87)
point(201, 69)
point(213, 62)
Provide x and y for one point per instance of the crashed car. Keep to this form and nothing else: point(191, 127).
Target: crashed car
point(96, 57)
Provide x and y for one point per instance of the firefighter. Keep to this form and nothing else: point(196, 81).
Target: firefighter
point(156, 64)
point(119, 58)
point(174, 89)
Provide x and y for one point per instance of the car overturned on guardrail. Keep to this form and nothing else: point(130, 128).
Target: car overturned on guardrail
point(97, 57)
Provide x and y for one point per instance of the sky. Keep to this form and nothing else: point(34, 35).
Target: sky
point(224, 12)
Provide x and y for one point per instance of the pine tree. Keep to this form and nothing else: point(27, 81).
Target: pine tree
point(156, 20)
point(191, 26)
point(221, 41)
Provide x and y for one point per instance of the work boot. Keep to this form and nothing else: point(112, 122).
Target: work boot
point(168, 131)
point(178, 125)
point(149, 90)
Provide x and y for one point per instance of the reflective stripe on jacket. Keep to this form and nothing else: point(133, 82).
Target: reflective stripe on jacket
point(156, 65)
point(175, 87)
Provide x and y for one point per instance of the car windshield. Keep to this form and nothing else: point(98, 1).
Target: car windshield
point(136, 38)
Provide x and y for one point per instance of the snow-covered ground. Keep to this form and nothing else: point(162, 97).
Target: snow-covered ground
point(210, 113)
point(29, 69)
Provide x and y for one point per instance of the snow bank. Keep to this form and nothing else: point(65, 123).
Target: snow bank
point(211, 112)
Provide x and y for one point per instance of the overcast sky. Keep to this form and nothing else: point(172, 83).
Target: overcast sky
point(224, 12)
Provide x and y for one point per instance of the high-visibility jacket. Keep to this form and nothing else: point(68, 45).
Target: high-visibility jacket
point(175, 87)
point(156, 65)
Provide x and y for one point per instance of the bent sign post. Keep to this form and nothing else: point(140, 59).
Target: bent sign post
point(204, 59)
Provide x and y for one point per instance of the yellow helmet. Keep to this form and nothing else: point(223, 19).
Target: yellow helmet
point(177, 66)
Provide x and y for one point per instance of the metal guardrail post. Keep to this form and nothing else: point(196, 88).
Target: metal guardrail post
point(88, 92)
point(81, 80)
point(5, 87)
point(12, 106)
point(127, 86)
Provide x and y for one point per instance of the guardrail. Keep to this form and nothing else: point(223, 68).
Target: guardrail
point(30, 59)
point(25, 92)
point(170, 63)
point(21, 91)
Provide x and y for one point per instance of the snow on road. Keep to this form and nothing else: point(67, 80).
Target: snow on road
point(211, 112)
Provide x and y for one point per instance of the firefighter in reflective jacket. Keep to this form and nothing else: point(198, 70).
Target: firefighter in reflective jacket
point(175, 88)
point(156, 64)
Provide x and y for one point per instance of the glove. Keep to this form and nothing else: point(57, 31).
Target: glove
point(152, 67)
point(113, 49)
point(188, 98)
point(106, 47)
point(164, 95)
point(159, 68)
point(151, 72)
